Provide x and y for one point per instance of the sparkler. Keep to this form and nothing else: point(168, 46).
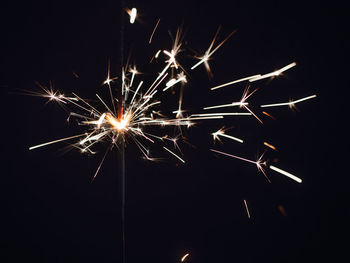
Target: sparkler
point(135, 114)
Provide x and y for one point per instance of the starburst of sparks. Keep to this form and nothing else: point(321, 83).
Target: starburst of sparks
point(138, 107)
point(136, 113)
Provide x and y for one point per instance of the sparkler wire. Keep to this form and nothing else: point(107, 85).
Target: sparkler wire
point(121, 152)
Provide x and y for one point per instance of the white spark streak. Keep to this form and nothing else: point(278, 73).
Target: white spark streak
point(137, 90)
point(233, 104)
point(172, 82)
point(246, 208)
point(222, 114)
point(178, 157)
point(55, 141)
point(291, 176)
point(222, 134)
point(157, 54)
point(209, 53)
point(235, 156)
point(258, 163)
point(235, 81)
point(290, 103)
point(273, 74)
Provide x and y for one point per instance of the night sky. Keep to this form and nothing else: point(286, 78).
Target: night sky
point(53, 213)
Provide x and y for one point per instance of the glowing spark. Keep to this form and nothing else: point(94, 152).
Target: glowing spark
point(178, 157)
point(104, 103)
point(245, 96)
point(137, 90)
point(55, 141)
point(171, 59)
point(235, 81)
point(222, 114)
point(234, 156)
point(132, 13)
point(157, 54)
point(99, 166)
point(246, 208)
point(291, 176)
point(119, 124)
point(269, 115)
point(233, 104)
point(172, 82)
point(204, 59)
point(275, 73)
point(154, 30)
point(290, 104)
point(133, 72)
point(258, 163)
point(271, 146)
point(221, 133)
point(184, 257)
point(151, 90)
point(108, 80)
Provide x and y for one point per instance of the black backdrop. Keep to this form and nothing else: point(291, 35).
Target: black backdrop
point(54, 214)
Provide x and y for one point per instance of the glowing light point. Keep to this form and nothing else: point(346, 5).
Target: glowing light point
point(132, 15)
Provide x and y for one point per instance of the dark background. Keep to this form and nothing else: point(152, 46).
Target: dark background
point(52, 213)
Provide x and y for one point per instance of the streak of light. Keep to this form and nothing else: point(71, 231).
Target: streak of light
point(104, 103)
point(173, 81)
point(184, 257)
point(245, 96)
point(137, 90)
point(178, 157)
point(275, 73)
point(154, 30)
point(221, 133)
point(258, 163)
point(270, 145)
point(99, 166)
point(108, 82)
point(92, 108)
point(222, 114)
point(233, 104)
point(55, 141)
point(290, 103)
point(205, 118)
point(204, 59)
point(97, 123)
point(235, 156)
point(291, 176)
point(246, 208)
point(269, 115)
point(133, 72)
point(235, 81)
point(151, 88)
